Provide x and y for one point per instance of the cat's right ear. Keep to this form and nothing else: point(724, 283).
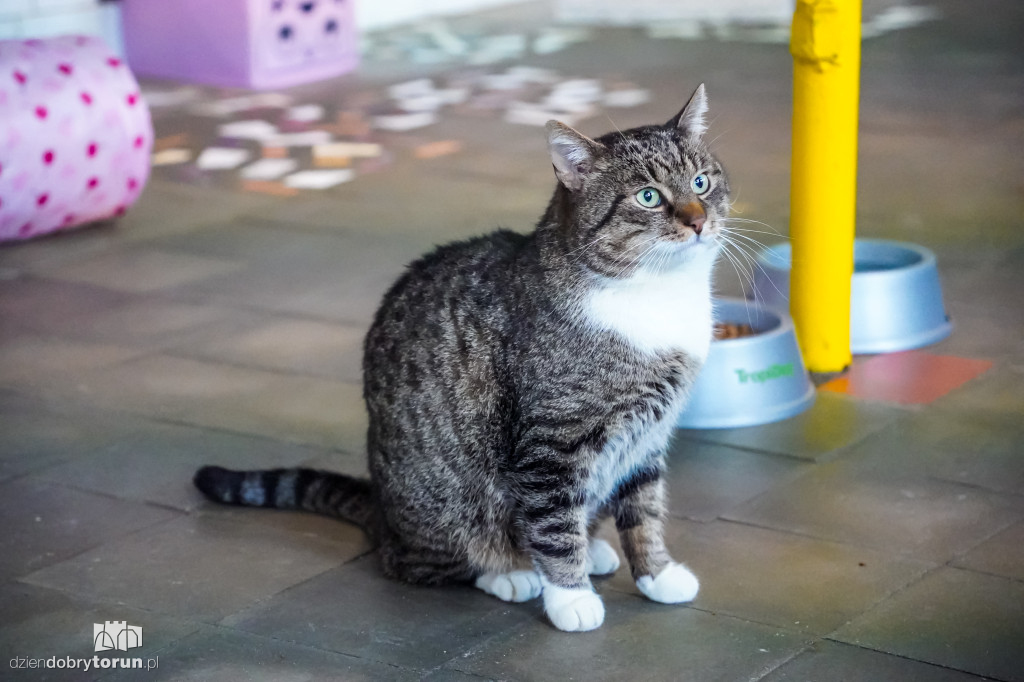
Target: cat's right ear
point(573, 154)
point(691, 120)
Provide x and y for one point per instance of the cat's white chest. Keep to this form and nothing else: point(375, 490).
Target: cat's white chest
point(657, 313)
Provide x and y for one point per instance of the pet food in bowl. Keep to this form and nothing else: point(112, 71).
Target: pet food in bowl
point(754, 373)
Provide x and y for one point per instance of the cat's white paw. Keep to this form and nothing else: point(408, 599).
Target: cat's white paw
point(573, 609)
point(514, 586)
point(601, 558)
point(674, 585)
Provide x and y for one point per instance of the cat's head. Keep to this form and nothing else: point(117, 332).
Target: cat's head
point(640, 200)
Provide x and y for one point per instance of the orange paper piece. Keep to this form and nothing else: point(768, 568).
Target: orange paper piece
point(911, 378)
point(170, 142)
point(267, 187)
point(432, 150)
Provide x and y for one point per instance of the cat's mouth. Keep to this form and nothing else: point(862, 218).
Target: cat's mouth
point(687, 236)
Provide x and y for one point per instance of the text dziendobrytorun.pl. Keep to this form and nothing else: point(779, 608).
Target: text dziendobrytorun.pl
point(84, 664)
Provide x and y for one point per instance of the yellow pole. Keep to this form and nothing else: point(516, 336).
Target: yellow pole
point(825, 45)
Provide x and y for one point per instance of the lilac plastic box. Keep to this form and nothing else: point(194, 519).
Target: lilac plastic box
point(241, 43)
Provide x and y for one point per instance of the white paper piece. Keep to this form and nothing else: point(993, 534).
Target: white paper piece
point(414, 88)
point(304, 139)
point(498, 48)
point(567, 103)
point(897, 18)
point(401, 122)
point(444, 38)
point(587, 89)
point(221, 158)
point(305, 113)
point(319, 179)
point(353, 150)
point(269, 169)
point(431, 102)
point(556, 39)
point(170, 157)
point(528, 113)
point(627, 98)
point(248, 130)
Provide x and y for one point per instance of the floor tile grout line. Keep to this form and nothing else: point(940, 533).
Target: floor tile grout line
point(980, 676)
point(34, 476)
point(243, 365)
point(72, 409)
point(768, 670)
point(188, 294)
point(171, 421)
point(481, 645)
point(218, 626)
point(266, 599)
point(808, 536)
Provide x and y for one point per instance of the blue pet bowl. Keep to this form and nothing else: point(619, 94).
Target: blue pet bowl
point(896, 300)
point(752, 379)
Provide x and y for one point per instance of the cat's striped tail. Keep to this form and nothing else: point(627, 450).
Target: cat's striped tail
point(320, 492)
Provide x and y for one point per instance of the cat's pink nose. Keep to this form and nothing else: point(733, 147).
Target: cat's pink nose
point(697, 224)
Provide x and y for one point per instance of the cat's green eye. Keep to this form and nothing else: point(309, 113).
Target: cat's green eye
point(700, 184)
point(649, 197)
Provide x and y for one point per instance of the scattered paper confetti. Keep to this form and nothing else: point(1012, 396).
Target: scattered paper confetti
point(557, 39)
point(348, 149)
point(169, 141)
point(526, 113)
point(306, 113)
point(432, 150)
point(269, 169)
point(221, 158)
point(169, 157)
point(626, 98)
point(413, 88)
point(332, 161)
point(401, 122)
point(303, 139)
point(498, 48)
point(248, 130)
point(319, 179)
point(348, 124)
point(267, 187)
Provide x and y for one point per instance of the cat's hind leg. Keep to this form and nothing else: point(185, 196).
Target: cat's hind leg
point(515, 586)
point(601, 558)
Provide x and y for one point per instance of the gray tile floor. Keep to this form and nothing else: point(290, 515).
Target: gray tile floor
point(859, 541)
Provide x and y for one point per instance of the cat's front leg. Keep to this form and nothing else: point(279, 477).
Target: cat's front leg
point(555, 533)
point(639, 517)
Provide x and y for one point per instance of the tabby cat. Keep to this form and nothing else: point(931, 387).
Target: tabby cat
point(521, 388)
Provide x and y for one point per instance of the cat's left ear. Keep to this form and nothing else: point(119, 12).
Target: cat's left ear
point(691, 119)
point(573, 154)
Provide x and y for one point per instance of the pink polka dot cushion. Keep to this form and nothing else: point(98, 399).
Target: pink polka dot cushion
point(75, 135)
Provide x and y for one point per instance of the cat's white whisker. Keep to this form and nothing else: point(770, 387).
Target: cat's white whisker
point(753, 260)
